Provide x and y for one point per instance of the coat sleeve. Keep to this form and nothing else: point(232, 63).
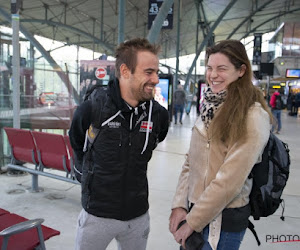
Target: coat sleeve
point(181, 195)
point(80, 123)
point(234, 171)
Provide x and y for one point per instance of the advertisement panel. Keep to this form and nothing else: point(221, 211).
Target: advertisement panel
point(161, 92)
point(293, 73)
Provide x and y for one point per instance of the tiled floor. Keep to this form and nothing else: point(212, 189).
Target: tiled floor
point(59, 203)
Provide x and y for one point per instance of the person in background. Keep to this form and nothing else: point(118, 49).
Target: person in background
point(179, 102)
point(276, 105)
point(291, 104)
point(228, 138)
point(297, 103)
point(113, 170)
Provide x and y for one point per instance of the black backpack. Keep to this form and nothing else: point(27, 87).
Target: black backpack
point(98, 96)
point(269, 179)
point(278, 103)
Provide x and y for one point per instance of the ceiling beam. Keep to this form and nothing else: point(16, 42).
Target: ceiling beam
point(109, 47)
point(248, 18)
point(269, 20)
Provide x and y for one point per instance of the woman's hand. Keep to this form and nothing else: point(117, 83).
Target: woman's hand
point(182, 234)
point(177, 215)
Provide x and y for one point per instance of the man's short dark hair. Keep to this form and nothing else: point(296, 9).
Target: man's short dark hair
point(126, 53)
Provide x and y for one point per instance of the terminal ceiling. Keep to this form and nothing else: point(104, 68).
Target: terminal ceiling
point(82, 22)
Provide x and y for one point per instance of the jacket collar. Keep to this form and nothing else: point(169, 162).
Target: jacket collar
point(199, 125)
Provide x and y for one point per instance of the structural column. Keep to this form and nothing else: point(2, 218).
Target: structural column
point(177, 44)
point(15, 63)
point(121, 22)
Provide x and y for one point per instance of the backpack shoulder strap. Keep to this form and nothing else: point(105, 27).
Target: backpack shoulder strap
point(251, 227)
point(98, 97)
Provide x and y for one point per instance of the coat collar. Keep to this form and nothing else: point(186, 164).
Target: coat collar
point(199, 125)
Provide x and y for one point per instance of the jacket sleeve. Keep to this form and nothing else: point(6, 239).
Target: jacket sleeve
point(181, 195)
point(232, 174)
point(164, 124)
point(80, 123)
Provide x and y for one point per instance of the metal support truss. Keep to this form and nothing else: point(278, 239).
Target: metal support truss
point(206, 39)
point(249, 18)
point(47, 56)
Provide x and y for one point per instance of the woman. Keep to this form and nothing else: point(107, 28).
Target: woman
point(227, 140)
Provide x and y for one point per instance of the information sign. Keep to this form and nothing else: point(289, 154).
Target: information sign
point(154, 6)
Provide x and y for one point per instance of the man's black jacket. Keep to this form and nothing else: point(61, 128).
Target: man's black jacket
point(114, 169)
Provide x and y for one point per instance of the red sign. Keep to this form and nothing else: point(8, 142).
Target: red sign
point(100, 72)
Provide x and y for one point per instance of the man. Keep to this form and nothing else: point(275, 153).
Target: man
point(179, 101)
point(114, 168)
point(276, 105)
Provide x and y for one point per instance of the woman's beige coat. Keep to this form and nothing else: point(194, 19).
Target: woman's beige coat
point(214, 175)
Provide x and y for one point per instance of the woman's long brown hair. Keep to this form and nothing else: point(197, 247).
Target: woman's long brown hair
point(229, 125)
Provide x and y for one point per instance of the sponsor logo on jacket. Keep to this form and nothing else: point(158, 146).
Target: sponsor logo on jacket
point(144, 126)
point(114, 124)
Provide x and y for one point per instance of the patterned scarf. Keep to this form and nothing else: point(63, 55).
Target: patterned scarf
point(212, 102)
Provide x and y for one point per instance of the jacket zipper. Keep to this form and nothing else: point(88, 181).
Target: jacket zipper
point(124, 207)
point(120, 142)
point(208, 144)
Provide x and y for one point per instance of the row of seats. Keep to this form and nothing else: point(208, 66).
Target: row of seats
point(39, 148)
point(44, 151)
point(19, 233)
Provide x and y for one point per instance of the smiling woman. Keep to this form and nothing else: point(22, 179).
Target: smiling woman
point(227, 140)
point(221, 72)
point(234, 79)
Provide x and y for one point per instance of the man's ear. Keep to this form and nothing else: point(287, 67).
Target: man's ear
point(124, 71)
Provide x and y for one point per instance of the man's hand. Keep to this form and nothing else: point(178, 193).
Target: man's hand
point(182, 234)
point(177, 215)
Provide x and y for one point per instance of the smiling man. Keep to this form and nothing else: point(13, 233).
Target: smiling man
point(118, 128)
